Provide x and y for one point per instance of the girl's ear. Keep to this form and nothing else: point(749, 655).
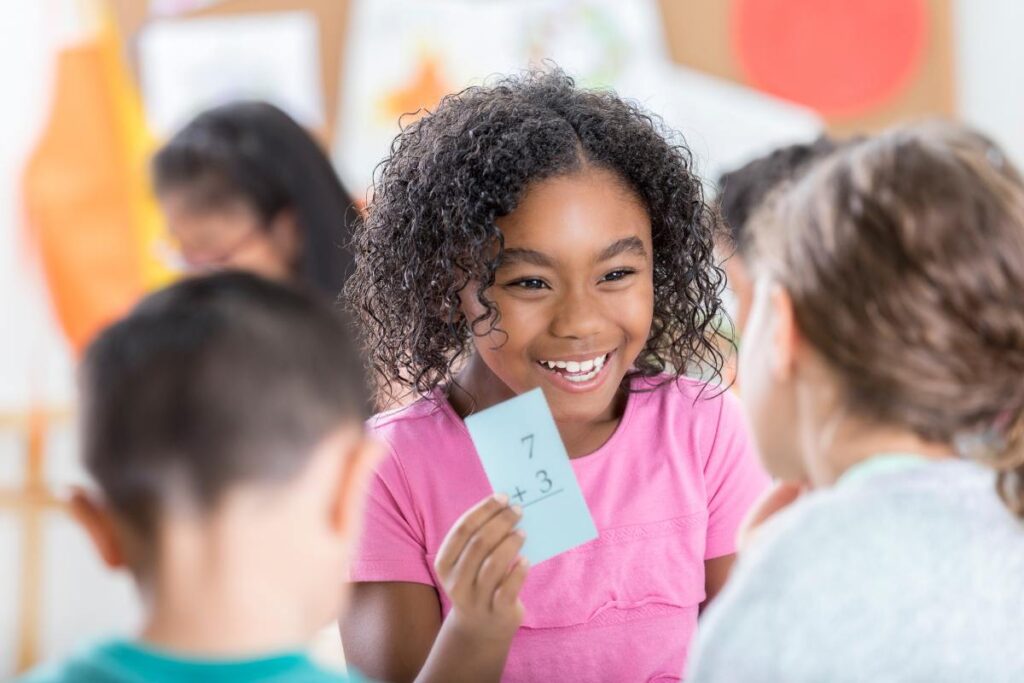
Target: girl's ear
point(785, 333)
point(99, 523)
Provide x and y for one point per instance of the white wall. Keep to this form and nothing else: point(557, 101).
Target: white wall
point(32, 356)
point(990, 58)
point(81, 601)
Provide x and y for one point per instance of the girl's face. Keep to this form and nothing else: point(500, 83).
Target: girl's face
point(231, 236)
point(575, 293)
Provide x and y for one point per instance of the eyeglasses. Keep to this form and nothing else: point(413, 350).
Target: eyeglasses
point(176, 256)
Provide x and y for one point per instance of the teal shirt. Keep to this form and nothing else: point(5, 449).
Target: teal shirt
point(882, 463)
point(126, 662)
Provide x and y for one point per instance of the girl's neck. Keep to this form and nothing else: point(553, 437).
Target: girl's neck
point(832, 450)
point(477, 388)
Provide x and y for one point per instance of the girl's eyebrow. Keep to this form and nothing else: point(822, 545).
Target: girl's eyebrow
point(626, 244)
point(536, 258)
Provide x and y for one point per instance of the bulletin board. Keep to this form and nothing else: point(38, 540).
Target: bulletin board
point(332, 21)
point(862, 64)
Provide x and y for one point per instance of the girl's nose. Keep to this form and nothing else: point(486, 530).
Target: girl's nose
point(576, 317)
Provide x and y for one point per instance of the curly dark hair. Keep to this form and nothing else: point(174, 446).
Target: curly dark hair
point(431, 229)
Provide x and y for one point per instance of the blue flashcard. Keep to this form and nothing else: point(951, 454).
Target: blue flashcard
point(524, 458)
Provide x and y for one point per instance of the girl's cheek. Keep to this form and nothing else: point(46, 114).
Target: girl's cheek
point(641, 316)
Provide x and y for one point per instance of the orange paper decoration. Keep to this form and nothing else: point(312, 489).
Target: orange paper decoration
point(89, 207)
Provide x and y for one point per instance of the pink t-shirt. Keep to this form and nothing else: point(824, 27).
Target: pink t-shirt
point(666, 491)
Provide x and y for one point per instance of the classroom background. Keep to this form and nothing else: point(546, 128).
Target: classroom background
point(91, 88)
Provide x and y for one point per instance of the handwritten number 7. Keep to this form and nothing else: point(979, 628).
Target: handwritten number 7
point(528, 437)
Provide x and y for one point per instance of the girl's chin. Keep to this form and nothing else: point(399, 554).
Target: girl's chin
point(589, 407)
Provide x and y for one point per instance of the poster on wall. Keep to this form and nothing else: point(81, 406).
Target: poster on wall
point(187, 65)
point(861, 64)
point(403, 56)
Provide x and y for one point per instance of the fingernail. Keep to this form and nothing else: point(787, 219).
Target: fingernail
point(523, 562)
point(517, 510)
point(520, 533)
point(501, 498)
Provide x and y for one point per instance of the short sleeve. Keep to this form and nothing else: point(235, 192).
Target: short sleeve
point(391, 546)
point(733, 479)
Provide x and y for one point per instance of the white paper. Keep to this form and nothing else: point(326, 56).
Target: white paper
point(724, 124)
point(188, 65)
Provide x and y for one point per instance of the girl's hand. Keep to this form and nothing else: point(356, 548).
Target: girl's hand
point(482, 573)
point(781, 495)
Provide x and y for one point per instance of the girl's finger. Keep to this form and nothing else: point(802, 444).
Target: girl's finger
point(496, 565)
point(507, 592)
point(464, 528)
point(480, 545)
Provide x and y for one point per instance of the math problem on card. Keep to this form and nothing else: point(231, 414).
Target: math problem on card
point(523, 456)
point(545, 487)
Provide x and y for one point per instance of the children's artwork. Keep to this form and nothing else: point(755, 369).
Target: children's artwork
point(524, 458)
point(405, 55)
point(187, 65)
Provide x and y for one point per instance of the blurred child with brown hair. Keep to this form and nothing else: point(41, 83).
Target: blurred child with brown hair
point(883, 367)
point(223, 426)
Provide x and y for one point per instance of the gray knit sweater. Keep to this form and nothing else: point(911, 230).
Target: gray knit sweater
point(909, 574)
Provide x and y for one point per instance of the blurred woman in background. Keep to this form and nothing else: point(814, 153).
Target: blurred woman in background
point(244, 186)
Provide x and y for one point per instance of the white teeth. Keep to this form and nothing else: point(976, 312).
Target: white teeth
point(584, 377)
point(578, 371)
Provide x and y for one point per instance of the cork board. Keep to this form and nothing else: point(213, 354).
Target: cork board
point(332, 21)
point(903, 49)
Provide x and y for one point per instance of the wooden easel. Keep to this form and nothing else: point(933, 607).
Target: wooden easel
point(29, 503)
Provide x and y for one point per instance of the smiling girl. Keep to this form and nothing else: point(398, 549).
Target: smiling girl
point(534, 234)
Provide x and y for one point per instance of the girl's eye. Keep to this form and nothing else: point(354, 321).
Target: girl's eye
point(616, 275)
point(528, 283)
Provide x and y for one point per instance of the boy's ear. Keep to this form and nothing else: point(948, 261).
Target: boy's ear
point(99, 523)
point(358, 463)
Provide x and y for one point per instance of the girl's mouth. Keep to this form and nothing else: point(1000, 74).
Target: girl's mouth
point(577, 372)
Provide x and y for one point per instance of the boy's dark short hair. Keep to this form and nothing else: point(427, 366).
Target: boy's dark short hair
point(209, 383)
point(742, 190)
